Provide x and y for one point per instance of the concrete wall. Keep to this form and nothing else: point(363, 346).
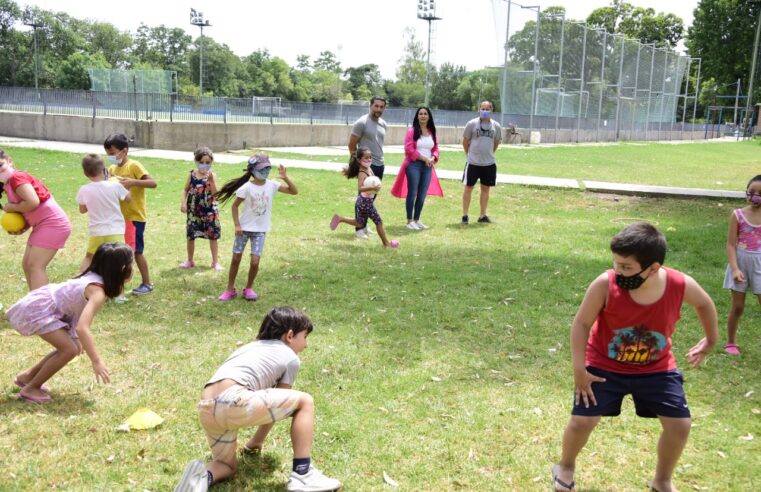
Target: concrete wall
point(235, 136)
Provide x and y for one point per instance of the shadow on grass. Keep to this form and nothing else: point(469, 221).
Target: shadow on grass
point(63, 404)
point(256, 473)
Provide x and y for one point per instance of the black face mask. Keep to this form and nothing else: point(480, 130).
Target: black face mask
point(632, 282)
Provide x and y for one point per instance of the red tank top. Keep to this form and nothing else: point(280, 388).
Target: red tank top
point(630, 338)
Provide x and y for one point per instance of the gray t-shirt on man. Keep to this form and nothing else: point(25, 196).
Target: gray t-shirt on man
point(260, 365)
point(371, 134)
point(482, 137)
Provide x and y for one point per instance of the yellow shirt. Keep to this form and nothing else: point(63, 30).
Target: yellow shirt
point(135, 209)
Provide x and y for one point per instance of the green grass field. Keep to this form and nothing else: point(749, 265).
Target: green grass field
point(444, 364)
point(719, 166)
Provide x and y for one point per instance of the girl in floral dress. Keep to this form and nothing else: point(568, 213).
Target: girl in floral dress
point(201, 208)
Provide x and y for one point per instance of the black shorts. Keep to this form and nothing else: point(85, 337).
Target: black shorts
point(378, 170)
point(659, 394)
point(486, 174)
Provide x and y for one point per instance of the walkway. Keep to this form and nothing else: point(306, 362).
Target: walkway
point(595, 186)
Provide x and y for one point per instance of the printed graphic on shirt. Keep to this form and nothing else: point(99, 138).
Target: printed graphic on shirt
point(257, 203)
point(636, 345)
point(485, 132)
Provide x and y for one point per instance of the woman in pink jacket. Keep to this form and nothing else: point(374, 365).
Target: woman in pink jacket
point(417, 176)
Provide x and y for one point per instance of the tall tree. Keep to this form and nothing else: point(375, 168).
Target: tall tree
point(364, 81)
point(621, 17)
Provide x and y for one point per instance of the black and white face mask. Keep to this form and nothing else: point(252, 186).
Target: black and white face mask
point(631, 282)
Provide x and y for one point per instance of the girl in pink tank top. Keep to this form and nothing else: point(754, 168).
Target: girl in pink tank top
point(744, 255)
point(50, 225)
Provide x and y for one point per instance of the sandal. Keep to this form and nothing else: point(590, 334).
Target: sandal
point(556, 481)
point(21, 385)
point(732, 349)
point(35, 399)
point(187, 264)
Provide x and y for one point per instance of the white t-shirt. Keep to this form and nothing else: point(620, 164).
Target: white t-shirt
point(260, 365)
point(425, 146)
point(102, 201)
point(257, 205)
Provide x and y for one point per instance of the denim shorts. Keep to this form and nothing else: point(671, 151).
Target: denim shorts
point(257, 243)
point(655, 395)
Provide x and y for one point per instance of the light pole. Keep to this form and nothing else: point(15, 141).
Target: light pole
point(535, 65)
point(29, 20)
point(196, 19)
point(426, 10)
point(753, 66)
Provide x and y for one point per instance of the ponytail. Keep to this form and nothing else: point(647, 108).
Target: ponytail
point(229, 189)
point(352, 170)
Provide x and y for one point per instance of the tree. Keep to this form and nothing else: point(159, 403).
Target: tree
point(72, 73)
point(364, 81)
point(105, 39)
point(412, 65)
point(220, 66)
point(163, 47)
point(15, 66)
point(722, 34)
point(665, 30)
point(327, 61)
point(444, 86)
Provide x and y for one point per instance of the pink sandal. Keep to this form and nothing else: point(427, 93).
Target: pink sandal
point(249, 295)
point(732, 349)
point(334, 222)
point(393, 243)
point(228, 295)
point(187, 264)
point(21, 385)
point(35, 399)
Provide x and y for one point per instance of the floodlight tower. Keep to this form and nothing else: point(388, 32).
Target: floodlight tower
point(426, 10)
point(30, 19)
point(196, 19)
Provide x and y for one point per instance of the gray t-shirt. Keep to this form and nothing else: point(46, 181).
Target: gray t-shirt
point(260, 365)
point(371, 134)
point(482, 137)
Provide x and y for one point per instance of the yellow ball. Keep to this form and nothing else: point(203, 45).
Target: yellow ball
point(12, 221)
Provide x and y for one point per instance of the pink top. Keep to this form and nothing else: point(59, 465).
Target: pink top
point(399, 189)
point(631, 338)
point(748, 235)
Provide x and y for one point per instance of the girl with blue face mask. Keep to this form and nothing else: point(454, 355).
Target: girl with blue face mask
point(255, 192)
point(200, 206)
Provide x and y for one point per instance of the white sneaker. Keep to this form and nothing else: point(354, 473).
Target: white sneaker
point(360, 234)
point(412, 226)
point(312, 481)
point(369, 230)
point(194, 479)
point(420, 225)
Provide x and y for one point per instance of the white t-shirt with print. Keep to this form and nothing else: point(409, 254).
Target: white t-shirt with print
point(257, 205)
point(102, 199)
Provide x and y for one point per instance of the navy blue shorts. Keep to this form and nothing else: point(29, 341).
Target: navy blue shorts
point(655, 395)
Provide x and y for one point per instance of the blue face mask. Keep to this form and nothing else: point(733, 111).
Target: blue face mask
point(203, 167)
point(485, 114)
point(262, 173)
point(113, 159)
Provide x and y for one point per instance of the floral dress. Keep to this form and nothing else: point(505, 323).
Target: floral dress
point(203, 213)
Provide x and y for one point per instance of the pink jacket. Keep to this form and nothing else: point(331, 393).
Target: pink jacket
point(399, 189)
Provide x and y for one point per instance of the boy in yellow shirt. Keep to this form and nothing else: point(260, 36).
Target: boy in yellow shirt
point(133, 176)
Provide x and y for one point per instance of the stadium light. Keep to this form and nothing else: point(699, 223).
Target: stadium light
point(196, 19)
point(426, 10)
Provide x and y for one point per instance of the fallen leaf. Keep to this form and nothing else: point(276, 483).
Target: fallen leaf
point(436, 379)
point(749, 437)
point(538, 411)
point(383, 409)
point(756, 411)
point(749, 394)
point(389, 480)
point(123, 428)
point(721, 453)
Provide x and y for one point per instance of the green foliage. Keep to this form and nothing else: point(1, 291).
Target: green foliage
point(72, 72)
point(639, 23)
point(722, 35)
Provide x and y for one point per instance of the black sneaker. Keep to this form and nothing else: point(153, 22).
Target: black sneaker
point(484, 220)
point(464, 220)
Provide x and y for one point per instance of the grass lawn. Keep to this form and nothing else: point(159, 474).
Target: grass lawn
point(444, 364)
point(719, 166)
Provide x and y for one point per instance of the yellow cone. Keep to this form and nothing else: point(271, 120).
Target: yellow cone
point(143, 419)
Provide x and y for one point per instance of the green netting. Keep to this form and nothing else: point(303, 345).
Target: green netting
point(140, 81)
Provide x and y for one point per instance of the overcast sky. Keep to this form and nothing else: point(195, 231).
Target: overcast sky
point(359, 31)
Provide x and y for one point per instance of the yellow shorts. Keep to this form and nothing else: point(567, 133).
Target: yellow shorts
point(239, 407)
point(95, 241)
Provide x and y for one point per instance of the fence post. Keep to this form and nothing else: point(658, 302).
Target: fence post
point(603, 85)
point(92, 96)
point(697, 92)
point(271, 109)
point(635, 107)
point(558, 106)
point(171, 107)
point(649, 95)
point(224, 119)
point(44, 103)
point(618, 86)
point(533, 78)
point(582, 83)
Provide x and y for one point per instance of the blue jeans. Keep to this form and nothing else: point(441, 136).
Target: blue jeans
point(418, 180)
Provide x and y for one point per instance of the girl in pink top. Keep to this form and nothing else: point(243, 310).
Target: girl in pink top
point(50, 225)
point(61, 314)
point(417, 176)
point(744, 255)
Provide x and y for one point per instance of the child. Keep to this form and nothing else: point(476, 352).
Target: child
point(100, 199)
point(364, 206)
point(256, 192)
point(201, 207)
point(133, 176)
point(50, 225)
point(253, 388)
point(61, 314)
point(632, 311)
point(744, 254)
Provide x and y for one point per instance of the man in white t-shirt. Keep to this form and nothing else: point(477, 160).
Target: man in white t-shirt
point(100, 200)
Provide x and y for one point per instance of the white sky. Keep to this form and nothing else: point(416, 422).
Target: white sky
point(359, 31)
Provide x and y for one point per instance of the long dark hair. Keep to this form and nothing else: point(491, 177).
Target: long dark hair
point(431, 125)
point(352, 170)
point(4, 157)
point(229, 189)
point(280, 320)
point(113, 262)
point(755, 178)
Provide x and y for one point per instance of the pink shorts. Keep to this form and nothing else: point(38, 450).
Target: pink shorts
point(239, 407)
point(50, 226)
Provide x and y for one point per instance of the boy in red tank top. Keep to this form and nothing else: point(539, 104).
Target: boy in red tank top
point(621, 344)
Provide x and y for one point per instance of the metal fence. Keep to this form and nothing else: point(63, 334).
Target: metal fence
point(564, 76)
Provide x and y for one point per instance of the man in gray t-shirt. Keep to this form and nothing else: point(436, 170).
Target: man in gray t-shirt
point(369, 131)
point(480, 139)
